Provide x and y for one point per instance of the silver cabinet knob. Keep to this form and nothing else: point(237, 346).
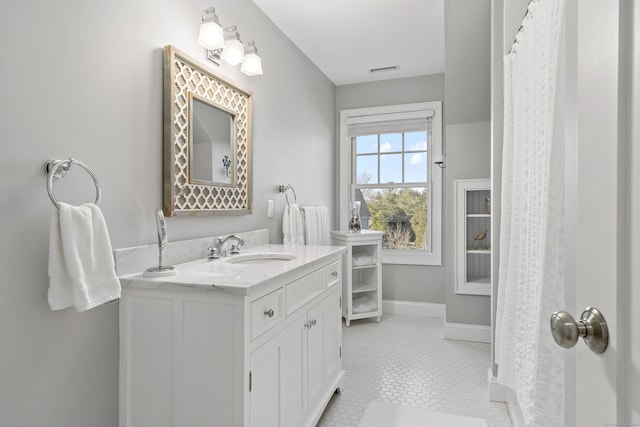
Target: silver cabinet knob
point(592, 328)
point(269, 313)
point(334, 273)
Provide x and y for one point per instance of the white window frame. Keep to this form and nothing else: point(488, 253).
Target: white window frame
point(345, 161)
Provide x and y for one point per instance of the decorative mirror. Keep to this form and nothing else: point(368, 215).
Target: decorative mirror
point(207, 140)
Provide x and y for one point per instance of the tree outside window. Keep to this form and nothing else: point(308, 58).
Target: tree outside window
point(392, 184)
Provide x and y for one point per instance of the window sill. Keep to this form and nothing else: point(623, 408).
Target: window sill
point(411, 258)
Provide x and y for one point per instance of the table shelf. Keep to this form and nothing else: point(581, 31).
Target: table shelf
point(362, 274)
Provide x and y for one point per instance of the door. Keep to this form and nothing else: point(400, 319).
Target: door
point(277, 379)
point(602, 390)
point(323, 342)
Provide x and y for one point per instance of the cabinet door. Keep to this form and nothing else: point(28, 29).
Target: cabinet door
point(324, 341)
point(278, 380)
point(332, 335)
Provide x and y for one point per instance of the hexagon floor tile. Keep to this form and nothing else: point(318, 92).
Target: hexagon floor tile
point(403, 360)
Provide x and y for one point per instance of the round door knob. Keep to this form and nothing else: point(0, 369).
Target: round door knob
point(564, 329)
point(334, 273)
point(269, 313)
point(592, 328)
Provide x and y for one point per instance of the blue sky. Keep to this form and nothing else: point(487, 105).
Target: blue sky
point(415, 157)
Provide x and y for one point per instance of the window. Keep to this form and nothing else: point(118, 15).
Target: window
point(385, 164)
point(390, 181)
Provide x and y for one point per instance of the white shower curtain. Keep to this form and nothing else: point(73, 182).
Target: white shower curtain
point(531, 275)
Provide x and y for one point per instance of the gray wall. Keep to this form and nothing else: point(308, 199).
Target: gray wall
point(390, 92)
point(467, 130)
point(467, 30)
point(401, 282)
point(465, 90)
point(84, 79)
point(468, 157)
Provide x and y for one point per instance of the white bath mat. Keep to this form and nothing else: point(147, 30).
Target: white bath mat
point(380, 414)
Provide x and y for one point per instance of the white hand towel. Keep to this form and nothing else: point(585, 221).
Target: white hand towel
point(292, 227)
point(81, 267)
point(316, 225)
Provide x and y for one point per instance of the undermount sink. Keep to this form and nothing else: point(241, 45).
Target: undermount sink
point(260, 258)
point(209, 269)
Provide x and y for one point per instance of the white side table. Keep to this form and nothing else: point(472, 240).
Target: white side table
point(361, 273)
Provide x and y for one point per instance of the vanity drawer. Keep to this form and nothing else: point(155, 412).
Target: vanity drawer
point(305, 289)
point(266, 312)
point(334, 273)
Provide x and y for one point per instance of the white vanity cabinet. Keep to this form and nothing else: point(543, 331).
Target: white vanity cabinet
point(194, 356)
point(291, 373)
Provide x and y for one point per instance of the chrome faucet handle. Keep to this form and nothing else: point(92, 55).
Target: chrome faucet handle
point(235, 249)
point(214, 253)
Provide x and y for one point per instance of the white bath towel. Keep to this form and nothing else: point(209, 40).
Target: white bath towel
point(292, 227)
point(363, 304)
point(362, 259)
point(81, 266)
point(316, 225)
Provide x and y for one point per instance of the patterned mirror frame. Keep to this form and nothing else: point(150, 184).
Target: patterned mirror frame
point(182, 76)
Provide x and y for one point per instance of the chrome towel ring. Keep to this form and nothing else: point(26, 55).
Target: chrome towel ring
point(56, 169)
point(284, 188)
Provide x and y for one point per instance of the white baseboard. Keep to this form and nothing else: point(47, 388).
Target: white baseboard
point(425, 309)
point(513, 408)
point(502, 393)
point(497, 392)
point(466, 332)
point(453, 331)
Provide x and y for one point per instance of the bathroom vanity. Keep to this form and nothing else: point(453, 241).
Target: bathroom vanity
point(248, 340)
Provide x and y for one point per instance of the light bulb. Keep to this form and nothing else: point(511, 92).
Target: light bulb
point(252, 64)
point(211, 36)
point(233, 52)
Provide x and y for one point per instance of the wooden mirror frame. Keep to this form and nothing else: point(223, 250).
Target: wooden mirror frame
point(184, 76)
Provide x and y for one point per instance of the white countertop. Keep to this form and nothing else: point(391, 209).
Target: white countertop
point(241, 278)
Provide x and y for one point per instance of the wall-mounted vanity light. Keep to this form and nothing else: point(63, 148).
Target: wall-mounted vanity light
point(211, 36)
point(233, 50)
point(252, 64)
point(226, 44)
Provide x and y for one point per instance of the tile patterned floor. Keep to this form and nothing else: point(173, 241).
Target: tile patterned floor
point(403, 360)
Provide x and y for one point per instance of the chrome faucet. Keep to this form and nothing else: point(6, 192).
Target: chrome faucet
point(219, 249)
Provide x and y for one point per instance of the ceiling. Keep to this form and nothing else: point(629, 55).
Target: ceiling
point(347, 38)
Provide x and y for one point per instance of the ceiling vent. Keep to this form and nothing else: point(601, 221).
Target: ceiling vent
point(384, 69)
